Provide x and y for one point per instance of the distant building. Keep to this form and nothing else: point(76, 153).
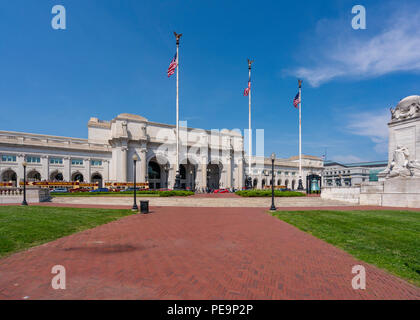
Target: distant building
point(346, 175)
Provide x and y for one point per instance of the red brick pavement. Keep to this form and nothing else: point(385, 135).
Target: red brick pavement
point(194, 253)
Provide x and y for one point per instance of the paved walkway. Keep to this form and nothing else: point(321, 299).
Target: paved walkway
point(194, 253)
point(212, 200)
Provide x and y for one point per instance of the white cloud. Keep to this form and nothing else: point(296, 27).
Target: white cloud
point(394, 48)
point(372, 125)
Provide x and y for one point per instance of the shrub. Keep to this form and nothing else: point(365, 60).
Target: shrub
point(267, 193)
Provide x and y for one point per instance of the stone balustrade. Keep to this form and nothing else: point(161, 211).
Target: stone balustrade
point(15, 195)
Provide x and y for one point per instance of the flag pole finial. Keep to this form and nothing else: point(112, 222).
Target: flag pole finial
point(177, 36)
point(250, 62)
point(300, 83)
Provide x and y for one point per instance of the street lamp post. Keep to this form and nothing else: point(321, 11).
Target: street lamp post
point(24, 203)
point(273, 157)
point(135, 207)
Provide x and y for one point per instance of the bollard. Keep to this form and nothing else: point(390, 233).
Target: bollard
point(144, 206)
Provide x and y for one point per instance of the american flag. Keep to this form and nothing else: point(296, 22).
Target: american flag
point(246, 91)
point(296, 100)
point(172, 66)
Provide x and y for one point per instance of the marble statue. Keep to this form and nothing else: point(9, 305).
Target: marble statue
point(401, 166)
point(407, 108)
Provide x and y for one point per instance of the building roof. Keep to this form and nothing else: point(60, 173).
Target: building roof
point(357, 164)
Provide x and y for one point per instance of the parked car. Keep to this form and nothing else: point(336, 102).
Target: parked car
point(100, 190)
point(132, 189)
point(79, 190)
point(59, 190)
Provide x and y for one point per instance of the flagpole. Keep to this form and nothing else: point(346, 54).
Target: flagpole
point(300, 187)
point(177, 177)
point(250, 131)
point(248, 182)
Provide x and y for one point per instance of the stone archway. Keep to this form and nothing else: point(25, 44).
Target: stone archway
point(9, 175)
point(255, 183)
point(77, 176)
point(263, 184)
point(214, 175)
point(293, 184)
point(33, 175)
point(286, 183)
point(97, 178)
point(154, 174)
point(279, 182)
point(56, 176)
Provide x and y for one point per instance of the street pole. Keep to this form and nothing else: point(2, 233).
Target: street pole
point(177, 176)
point(300, 187)
point(273, 157)
point(24, 203)
point(135, 208)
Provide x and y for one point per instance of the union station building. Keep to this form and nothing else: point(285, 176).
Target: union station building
point(207, 158)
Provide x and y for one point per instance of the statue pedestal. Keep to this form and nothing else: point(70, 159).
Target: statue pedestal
point(397, 192)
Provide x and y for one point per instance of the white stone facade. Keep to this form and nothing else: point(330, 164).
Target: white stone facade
point(213, 159)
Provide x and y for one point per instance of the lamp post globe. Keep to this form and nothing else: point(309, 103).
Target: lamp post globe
point(24, 203)
point(273, 157)
point(135, 159)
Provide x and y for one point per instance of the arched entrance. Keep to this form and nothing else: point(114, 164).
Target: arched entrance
point(293, 184)
point(56, 176)
point(34, 175)
point(77, 176)
point(9, 175)
point(263, 183)
point(188, 173)
point(213, 175)
point(255, 183)
point(286, 183)
point(97, 178)
point(154, 175)
point(279, 182)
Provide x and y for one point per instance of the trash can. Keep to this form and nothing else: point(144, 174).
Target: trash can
point(144, 206)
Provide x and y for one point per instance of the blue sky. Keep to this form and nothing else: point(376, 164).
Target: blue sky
point(113, 57)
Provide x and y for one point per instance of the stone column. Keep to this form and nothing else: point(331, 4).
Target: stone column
point(67, 169)
point(45, 169)
point(240, 173)
point(229, 172)
point(19, 170)
point(143, 164)
point(204, 173)
point(106, 171)
point(88, 171)
point(124, 150)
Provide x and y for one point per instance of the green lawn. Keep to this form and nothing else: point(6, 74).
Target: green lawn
point(388, 239)
point(25, 227)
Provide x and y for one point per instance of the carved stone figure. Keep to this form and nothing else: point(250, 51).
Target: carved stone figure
point(401, 166)
point(124, 129)
point(407, 108)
